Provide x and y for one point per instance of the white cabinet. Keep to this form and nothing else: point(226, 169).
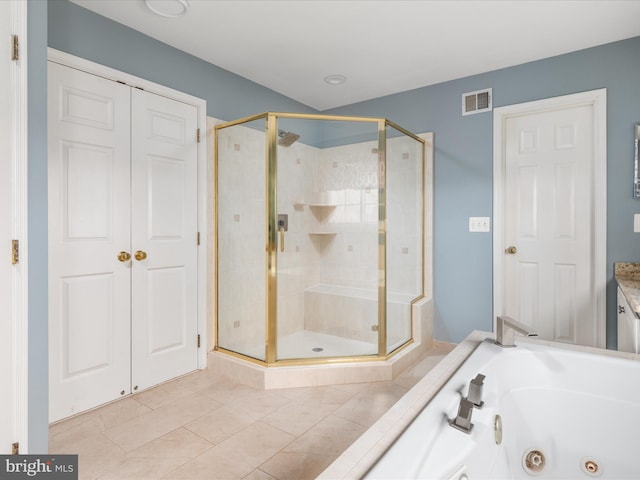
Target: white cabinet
point(627, 326)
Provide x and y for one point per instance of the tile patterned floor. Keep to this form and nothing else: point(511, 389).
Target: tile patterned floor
point(203, 426)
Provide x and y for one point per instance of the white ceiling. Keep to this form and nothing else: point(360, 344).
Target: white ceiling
point(381, 46)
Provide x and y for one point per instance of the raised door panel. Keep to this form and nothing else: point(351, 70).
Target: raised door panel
point(89, 223)
point(88, 320)
point(164, 227)
point(87, 192)
point(529, 295)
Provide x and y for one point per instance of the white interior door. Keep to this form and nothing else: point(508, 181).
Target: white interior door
point(164, 232)
point(549, 235)
point(89, 224)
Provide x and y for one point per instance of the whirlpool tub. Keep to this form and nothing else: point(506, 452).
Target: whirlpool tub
point(550, 411)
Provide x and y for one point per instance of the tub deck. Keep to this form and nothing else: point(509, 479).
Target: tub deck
point(365, 452)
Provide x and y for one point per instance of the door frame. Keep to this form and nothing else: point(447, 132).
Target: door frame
point(597, 99)
point(18, 229)
point(88, 66)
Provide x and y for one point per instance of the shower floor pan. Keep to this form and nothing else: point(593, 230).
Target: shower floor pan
point(306, 344)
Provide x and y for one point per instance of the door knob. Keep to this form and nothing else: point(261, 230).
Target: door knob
point(140, 255)
point(124, 256)
point(511, 250)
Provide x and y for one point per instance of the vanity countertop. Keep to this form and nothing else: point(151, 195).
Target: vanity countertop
point(628, 277)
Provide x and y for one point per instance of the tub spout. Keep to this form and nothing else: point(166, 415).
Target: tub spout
point(463, 420)
point(475, 391)
point(506, 329)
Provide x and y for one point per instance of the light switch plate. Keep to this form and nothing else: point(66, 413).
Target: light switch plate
point(479, 224)
point(636, 223)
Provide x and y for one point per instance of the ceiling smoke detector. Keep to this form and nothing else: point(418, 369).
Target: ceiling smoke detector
point(168, 8)
point(335, 79)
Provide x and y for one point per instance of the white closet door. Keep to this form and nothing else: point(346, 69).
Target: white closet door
point(164, 229)
point(89, 223)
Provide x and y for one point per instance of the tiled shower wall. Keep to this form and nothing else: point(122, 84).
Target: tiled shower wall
point(296, 169)
point(331, 199)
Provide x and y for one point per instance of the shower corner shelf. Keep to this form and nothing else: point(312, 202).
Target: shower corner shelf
point(323, 205)
point(299, 205)
point(326, 234)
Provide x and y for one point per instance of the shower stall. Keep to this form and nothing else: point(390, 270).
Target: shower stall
point(320, 224)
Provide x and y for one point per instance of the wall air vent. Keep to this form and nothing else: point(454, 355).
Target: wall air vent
point(477, 102)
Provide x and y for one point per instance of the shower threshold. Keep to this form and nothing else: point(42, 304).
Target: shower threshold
point(300, 345)
point(306, 344)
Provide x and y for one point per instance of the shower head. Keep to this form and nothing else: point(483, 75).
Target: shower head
point(287, 138)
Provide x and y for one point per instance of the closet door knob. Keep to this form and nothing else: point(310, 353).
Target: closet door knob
point(140, 255)
point(124, 256)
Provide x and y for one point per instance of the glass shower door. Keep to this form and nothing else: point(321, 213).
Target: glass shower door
point(295, 162)
point(327, 255)
point(405, 229)
point(241, 238)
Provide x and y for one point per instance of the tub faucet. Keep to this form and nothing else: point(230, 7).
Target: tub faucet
point(506, 329)
point(475, 391)
point(463, 420)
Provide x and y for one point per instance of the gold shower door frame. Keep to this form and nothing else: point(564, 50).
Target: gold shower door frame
point(271, 271)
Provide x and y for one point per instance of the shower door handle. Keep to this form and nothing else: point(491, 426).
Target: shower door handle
point(282, 239)
point(283, 226)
